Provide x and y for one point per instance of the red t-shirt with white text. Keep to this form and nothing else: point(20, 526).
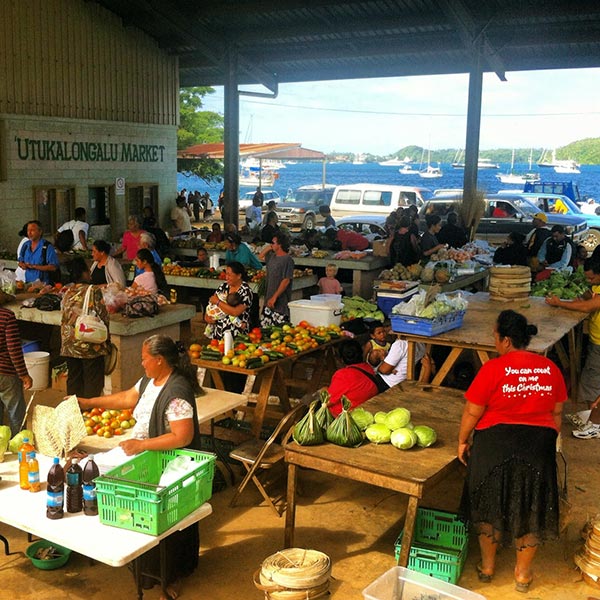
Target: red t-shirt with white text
point(517, 388)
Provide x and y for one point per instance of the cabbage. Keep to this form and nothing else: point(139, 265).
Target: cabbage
point(344, 431)
point(380, 417)
point(4, 440)
point(403, 438)
point(307, 431)
point(397, 418)
point(426, 436)
point(378, 433)
point(362, 417)
point(17, 441)
point(410, 425)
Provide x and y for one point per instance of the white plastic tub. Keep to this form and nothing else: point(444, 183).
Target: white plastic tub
point(315, 313)
point(331, 298)
point(403, 584)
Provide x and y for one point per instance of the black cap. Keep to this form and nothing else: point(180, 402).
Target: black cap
point(23, 232)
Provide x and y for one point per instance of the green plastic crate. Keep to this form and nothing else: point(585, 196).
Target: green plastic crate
point(439, 547)
point(129, 495)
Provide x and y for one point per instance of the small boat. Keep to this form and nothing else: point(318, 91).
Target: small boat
point(397, 162)
point(255, 177)
point(486, 163)
point(518, 178)
point(407, 170)
point(567, 166)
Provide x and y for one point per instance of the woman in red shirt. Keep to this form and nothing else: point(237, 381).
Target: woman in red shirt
point(513, 408)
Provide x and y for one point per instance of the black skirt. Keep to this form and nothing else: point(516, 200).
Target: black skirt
point(511, 491)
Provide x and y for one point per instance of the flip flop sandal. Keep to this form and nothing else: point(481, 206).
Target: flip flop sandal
point(483, 577)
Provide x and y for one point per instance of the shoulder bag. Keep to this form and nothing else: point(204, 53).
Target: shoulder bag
point(89, 327)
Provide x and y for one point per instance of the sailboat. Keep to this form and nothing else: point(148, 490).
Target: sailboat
point(430, 172)
point(519, 178)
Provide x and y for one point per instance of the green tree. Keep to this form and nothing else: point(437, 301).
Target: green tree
point(197, 126)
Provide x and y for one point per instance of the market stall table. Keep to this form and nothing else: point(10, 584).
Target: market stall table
point(126, 334)
point(274, 378)
point(476, 333)
point(479, 280)
point(83, 534)
point(409, 472)
point(364, 270)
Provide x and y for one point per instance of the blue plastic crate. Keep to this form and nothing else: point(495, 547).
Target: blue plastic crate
point(427, 327)
point(387, 300)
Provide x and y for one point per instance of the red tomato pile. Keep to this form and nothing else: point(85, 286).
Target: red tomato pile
point(107, 423)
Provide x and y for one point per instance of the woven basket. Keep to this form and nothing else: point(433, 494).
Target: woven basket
point(294, 574)
point(507, 283)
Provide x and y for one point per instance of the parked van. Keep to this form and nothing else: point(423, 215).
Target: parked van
point(374, 198)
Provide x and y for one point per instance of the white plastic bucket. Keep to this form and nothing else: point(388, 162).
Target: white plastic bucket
point(38, 366)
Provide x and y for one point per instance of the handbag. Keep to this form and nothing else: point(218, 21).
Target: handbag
point(89, 327)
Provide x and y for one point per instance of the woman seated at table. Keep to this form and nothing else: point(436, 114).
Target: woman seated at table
point(513, 409)
point(237, 251)
point(235, 282)
point(105, 268)
point(512, 251)
point(151, 278)
point(164, 406)
point(357, 380)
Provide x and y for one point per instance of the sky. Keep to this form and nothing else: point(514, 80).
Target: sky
point(532, 109)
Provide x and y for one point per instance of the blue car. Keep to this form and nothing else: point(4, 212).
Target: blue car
point(557, 204)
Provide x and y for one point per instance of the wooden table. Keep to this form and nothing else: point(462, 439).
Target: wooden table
point(364, 270)
point(127, 334)
point(476, 334)
point(409, 472)
point(479, 280)
point(273, 378)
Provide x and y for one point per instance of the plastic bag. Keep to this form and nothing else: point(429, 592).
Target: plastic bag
point(88, 326)
point(115, 298)
point(8, 281)
point(176, 469)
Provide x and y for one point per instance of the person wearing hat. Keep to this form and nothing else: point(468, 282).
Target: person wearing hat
point(535, 238)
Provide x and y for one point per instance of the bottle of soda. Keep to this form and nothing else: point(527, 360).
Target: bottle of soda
point(25, 451)
point(74, 489)
point(90, 501)
point(55, 491)
point(33, 468)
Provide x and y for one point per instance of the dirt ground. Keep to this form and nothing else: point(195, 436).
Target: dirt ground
point(355, 524)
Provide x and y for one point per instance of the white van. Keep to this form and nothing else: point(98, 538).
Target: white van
point(374, 198)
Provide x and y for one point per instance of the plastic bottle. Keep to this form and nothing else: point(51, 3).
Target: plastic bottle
point(74, 487)
point(25, 453)
point(228, 338)
point(33, 473)
point(55, 491)
point(90, 501)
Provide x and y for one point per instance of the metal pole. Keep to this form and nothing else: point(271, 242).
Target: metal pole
point(231, 140)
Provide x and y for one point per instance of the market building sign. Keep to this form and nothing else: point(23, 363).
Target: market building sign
point(59, 150)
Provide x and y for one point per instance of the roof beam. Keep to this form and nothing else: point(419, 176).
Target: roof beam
point(470, 32)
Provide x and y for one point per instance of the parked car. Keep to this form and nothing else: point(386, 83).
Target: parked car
point(371, 226)
point(518, 213)
point(561, 204)
point(301, 208)
point(246, 200)
point(374, 198)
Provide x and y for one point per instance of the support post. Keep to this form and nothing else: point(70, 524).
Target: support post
point(231, 141)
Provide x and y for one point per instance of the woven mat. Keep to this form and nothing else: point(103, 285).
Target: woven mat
point(58, 430)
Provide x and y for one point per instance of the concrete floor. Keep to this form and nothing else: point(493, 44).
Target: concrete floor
point(355, 524)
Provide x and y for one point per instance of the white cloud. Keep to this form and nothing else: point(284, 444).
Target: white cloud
point(531, 109)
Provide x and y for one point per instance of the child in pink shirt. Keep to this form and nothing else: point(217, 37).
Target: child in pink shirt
point(329, 284)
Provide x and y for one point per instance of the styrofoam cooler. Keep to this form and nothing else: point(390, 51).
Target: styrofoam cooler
point(315, 312)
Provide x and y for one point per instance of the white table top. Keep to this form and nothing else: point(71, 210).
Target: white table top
point(86, 535)
point(211, 405)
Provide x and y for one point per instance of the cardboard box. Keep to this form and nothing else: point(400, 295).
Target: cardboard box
point(380, 248)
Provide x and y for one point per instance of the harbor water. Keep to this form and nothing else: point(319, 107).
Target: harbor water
point(295, 175)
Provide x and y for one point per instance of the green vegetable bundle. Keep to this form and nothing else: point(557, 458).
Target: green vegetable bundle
point(323, 415)
point(567, 286)
point(307, 432)
point(343, 431)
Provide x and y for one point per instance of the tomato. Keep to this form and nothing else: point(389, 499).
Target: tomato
point(125, 415)
point(95, 412)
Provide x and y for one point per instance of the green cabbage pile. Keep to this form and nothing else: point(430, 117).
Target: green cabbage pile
point(4, 440)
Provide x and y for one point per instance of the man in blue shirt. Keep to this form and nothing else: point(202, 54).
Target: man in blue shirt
point(556, 251)
point(38, 256)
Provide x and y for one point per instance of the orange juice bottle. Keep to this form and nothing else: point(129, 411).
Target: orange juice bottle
point(33, 474)
point(25, 453)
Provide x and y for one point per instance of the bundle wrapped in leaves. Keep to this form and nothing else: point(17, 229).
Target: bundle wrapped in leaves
point(308, 432)
point(323, 415)
point(343, 431)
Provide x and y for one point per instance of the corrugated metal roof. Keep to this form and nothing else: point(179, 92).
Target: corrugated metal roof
point(310, 40)
point(280, 151)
